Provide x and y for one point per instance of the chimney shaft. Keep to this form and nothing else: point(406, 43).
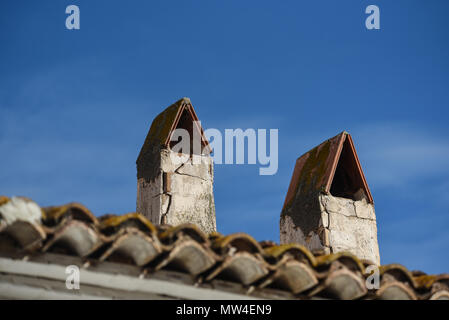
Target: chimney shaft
point(329, 206)
point(172, 187)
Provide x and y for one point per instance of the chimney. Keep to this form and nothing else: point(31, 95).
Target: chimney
point(174, 186)
point(329, 206)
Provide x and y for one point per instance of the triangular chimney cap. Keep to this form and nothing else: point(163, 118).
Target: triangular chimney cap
point(315, 170)
point(167, 121)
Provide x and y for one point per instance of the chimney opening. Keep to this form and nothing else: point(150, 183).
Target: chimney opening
point(186, 122)
point(347, 181)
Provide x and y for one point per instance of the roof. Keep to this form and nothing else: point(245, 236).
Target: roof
point(126, 256)
point(315, 170)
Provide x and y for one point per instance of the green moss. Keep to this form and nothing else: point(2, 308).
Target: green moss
point(311, 179)
point(425, 281)
point(160, 129)
point(3, 200)
point(148, 161)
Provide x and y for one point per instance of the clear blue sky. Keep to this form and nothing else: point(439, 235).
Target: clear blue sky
point(76, 104)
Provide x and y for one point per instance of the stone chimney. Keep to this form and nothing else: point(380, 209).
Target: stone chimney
point(329, 206)
point(175, 187)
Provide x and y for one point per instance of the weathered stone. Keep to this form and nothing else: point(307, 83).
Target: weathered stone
point(148, 198)
point(184, 195)
point(192, 209)
point(344, 225)
point(338, 205)
point(165, 203)
point(289, 233)
point(292, 234)
point(170, 161)
point(325, 238)
point(342, 240)
point(325, 219)
point(201, 170)
point(188, 185)
point(364, 210)
point(359, 236)
point(328, 204)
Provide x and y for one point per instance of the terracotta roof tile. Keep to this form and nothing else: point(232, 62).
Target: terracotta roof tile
point(237, 259)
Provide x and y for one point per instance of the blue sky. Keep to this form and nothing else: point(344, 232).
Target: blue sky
point(76, 104)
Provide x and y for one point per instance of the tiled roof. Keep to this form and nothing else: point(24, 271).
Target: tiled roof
point(71, 230)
